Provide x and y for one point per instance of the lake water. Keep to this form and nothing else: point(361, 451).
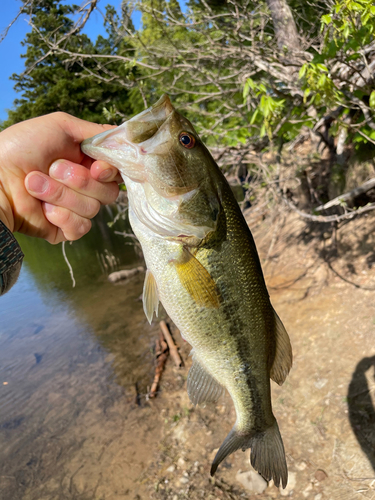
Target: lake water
point(67, 357)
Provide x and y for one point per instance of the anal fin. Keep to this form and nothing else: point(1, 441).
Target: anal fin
point(283, 355)
point(201, 386)
point(150, 296)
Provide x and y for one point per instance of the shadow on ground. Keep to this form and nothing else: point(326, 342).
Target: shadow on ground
point(361, 408)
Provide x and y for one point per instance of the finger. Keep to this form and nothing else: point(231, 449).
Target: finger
point(56, 236)
point(79, 129)
point(79, 179)
point(72, 226)
point(104, 172)
point(54, 192)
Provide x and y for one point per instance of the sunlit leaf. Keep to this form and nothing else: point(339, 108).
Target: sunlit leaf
point(326, 19)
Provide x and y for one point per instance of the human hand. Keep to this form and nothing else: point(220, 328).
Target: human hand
point(46, 188)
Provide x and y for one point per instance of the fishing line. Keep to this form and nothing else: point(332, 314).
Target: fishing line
point(68, 264)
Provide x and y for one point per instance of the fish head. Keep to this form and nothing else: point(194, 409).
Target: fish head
point(160, 151)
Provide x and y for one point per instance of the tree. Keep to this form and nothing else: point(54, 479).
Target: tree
point(252, 76)
point(53, 82)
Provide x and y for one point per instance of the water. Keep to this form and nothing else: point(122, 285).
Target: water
point(70, 358)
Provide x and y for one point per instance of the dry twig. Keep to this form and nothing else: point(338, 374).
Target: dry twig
point(172, 347)
point(161, 352)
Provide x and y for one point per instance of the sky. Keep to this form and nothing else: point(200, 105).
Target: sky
point(11, 48)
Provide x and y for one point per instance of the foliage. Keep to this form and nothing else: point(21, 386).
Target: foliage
point(222, 64)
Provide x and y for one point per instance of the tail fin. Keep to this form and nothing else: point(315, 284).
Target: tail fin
point(267, 453)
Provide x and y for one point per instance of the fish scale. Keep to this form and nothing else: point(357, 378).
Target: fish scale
point(204, 267)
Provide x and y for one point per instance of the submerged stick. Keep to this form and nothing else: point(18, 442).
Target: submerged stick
point(124, 274)
point(172, 346)
point(161, 352)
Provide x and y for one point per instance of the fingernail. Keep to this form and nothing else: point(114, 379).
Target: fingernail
point(37, 183)
point(59, 170)
point(48, 208)
point(106, 174)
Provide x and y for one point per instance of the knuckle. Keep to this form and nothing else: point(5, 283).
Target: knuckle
point(86, 226)
point(58, 194)
point(56, 238)
point(65, 217)
point(61, 115)
point(82, 181)
point(83, 227)
point(95, 208)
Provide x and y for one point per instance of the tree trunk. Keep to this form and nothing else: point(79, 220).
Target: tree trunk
point(284, 25)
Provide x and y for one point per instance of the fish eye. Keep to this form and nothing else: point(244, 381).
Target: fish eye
point(187, 140)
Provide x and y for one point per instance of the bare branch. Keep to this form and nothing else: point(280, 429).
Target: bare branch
point(329, 218)
point(366, 186)
point(21, 11)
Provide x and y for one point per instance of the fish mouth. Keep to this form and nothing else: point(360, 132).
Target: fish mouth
point(122, 147)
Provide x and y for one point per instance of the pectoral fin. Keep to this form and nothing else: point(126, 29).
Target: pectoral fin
point(150, 296)
point(197, 281)
point(283, 355)
point(201, 386)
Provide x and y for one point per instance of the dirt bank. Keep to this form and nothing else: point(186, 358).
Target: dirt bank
point(324, 291)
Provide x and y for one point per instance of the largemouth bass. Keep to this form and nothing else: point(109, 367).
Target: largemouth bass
point(202, 264)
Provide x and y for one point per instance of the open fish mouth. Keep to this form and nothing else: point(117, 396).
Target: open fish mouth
point(125, 144)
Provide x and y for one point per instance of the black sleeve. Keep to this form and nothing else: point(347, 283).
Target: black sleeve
point(11, 257)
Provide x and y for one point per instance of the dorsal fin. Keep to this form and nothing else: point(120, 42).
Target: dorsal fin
point(201, 386)
point(150, 296)
point(283, 355)
point(197, 281)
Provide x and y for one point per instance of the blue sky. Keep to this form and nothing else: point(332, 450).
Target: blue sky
point(11, 48)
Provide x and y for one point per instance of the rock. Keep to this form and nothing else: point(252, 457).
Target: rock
point(319, 384)
point(290, 486)
point(184, 480)
point(320, 475)
point(252, 481)
point(301, 466)
point(171, 468)
point(319, 496)
point(306, 492)
point(181, 463)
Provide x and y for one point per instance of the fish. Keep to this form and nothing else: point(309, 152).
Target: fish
point(203, 266)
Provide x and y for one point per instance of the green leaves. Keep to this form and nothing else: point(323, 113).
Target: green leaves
point(318, 86)
point(268, 108)
point(326, 19)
